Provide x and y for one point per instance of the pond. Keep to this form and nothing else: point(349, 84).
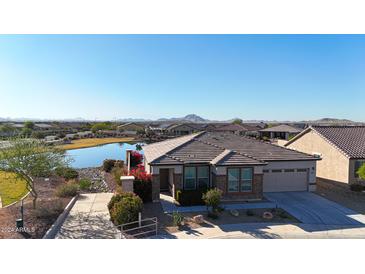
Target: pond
point(94, 156)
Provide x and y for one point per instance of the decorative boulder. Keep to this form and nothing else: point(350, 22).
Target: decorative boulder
point(234, 213)
point(198, 219)
point(267, 215)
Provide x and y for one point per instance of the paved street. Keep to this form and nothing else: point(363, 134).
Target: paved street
point(270, 231)
point(89, 219)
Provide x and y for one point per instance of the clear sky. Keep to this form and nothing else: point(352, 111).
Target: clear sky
point(282, 77)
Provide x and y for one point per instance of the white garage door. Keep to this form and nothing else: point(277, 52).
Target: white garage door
point(276, 180)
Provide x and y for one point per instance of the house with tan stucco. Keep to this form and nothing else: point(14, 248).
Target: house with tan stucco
point(342, 149)
point(242, 168)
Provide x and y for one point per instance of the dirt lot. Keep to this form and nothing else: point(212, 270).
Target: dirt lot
point(342, 195)
point(225, 217)
point(36, 222)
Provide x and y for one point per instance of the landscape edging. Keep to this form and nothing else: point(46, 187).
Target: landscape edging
point(53, 230)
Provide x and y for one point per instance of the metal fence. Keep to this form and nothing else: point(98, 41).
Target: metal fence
point(139, 229)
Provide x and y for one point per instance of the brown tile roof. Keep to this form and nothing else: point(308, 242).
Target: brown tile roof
point(231, 127)
point(258, 149)
point(282, 128)
point(156, 150)
point(349, 139)
point(219, 149)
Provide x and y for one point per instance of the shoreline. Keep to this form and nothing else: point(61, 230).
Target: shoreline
point(95, 142)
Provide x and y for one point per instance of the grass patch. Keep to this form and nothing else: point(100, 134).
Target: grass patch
point(92, 142)
point(11, 188)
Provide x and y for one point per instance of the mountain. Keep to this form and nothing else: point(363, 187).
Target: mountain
point(190, 118)
point(331, 121)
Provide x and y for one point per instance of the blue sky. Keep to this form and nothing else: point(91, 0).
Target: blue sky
point(282, 77)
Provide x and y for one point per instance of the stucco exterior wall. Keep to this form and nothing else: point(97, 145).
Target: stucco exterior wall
point(333, 166)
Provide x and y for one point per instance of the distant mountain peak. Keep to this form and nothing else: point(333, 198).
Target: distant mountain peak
point(194, 118)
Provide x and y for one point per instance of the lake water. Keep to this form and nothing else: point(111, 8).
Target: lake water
point(94, 156)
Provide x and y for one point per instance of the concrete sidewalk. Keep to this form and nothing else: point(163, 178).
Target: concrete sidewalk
point(89, 219)
point(270, 231)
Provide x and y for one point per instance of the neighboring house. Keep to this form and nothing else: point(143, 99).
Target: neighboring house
point(232, 128)
point(43, 126)
point(85, 134)
point(130, 128)
point(109, 133)
point(182, 129)
point(342, 149)
point(284, 132)
point(243, 168)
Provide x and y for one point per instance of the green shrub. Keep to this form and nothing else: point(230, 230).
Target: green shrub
point(118, 197)
point(67, 190)
point(357, 187)
point(177, 219)
point(108, 165)
point(50, 211)
point(85, 184)
point(361, 172)
point(126, 210)
point(117, 172)
point(143, 189)
point(190, 197)
point(67, 172)
point(212, 198)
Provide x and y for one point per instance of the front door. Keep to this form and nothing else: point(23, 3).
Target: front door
point(164, 179)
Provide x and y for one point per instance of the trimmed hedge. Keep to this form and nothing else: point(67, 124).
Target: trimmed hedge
point(190, 197)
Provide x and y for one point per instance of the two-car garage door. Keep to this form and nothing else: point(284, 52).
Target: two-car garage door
point(278, 180)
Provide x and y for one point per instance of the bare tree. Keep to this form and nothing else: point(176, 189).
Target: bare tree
point(29, 158)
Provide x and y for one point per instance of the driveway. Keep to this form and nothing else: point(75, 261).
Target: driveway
point(310, 208)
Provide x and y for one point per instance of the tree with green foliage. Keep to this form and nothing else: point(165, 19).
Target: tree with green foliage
point(361, 172)
point(29, 125)
point(26, 132)
point(101, 126)
point(7, 130)
point(237, 121)
point(28, 159)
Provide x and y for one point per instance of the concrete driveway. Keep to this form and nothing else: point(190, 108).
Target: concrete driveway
point(310, 208)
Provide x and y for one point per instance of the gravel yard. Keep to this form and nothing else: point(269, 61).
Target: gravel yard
point(225, 217)
point(38, 221)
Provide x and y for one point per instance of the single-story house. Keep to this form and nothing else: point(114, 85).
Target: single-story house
point(284, 132)
point(85, 134)
point(242, 167)
point(42, 126)
point(130, 128)
point(232, 128)
point(181, 129)
point(342, 149)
